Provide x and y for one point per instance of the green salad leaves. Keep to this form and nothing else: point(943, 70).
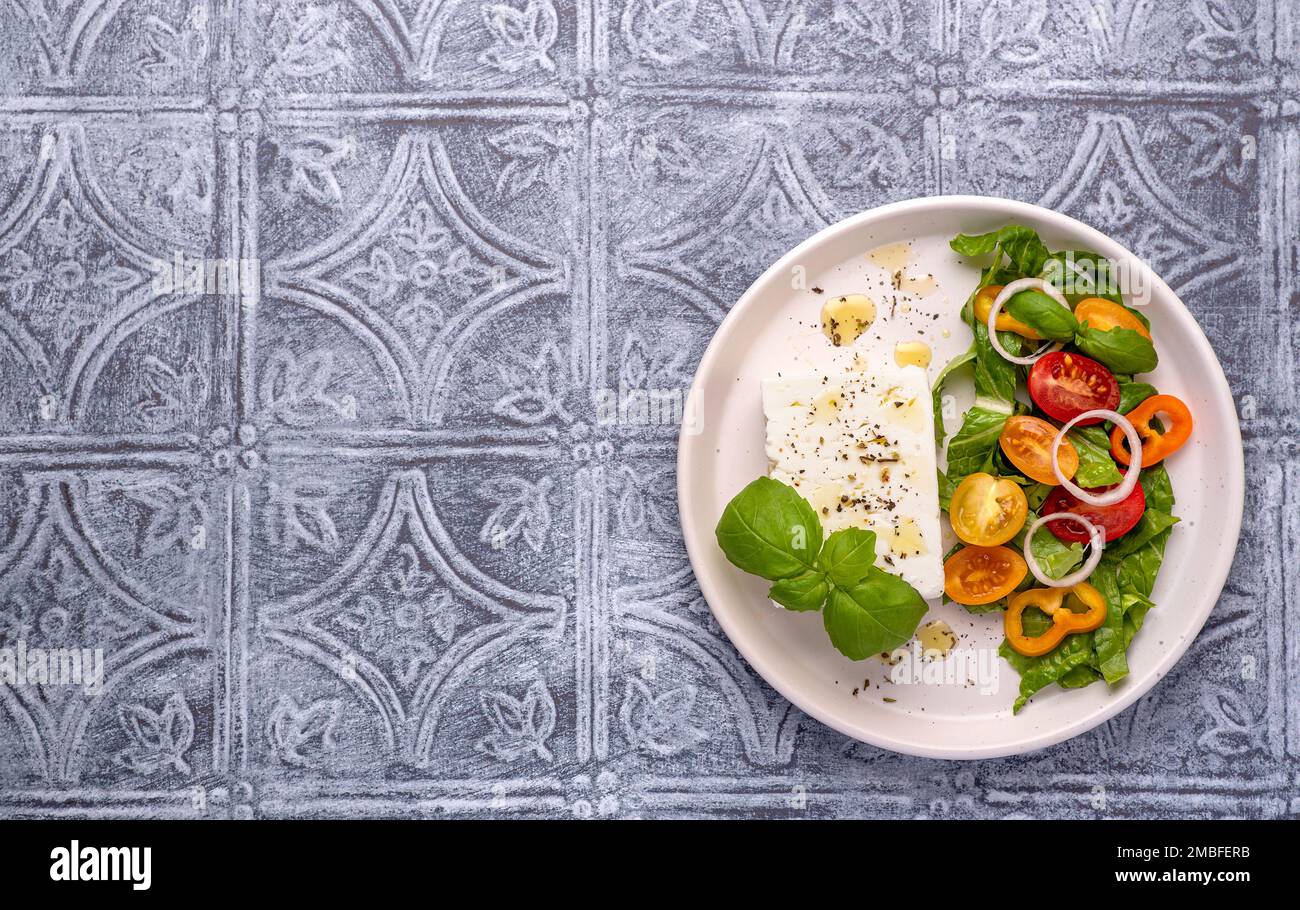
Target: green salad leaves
point(769, 530)
point(1127, 571)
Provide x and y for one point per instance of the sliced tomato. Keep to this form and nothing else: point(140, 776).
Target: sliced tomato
point(987, 510)
point(980, 575)
point(1105, 315)
point(1114, 520)
point(1027, 443)
point(1065, 385)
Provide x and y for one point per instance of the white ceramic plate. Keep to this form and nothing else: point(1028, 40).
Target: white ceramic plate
point(773, 328)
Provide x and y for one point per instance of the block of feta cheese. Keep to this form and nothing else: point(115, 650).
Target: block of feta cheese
point(859, 446)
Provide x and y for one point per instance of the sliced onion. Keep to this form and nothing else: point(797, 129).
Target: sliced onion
point(1097, 542)
point(1011, 290)
point(1120, 493)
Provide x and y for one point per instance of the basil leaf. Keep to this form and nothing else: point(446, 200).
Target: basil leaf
point(995, 376)
point(1021, 244)
point(974, 445)
point(803, 592)
point(1096, 467)
point(768, 529)
point(848, 555)
point(937, 391)
point(1132, 394)
point(1121, 350)
point(1043, 314)
point(878, 614)
point(1082, 273)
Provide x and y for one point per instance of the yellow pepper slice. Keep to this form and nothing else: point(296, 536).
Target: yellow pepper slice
point(1064, 620)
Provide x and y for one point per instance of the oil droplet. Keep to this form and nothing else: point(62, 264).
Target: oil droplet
point(826, 406)
point(893, 257)
point(905, 539)
point(845, 318)
point(825, 498)
point(920, 285)
point(936, 639)
point(912, 353)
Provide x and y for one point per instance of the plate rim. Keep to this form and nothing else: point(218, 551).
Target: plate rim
point(686, 454)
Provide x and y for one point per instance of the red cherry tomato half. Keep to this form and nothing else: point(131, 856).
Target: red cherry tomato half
point(1114, 520)
point(1065, 385)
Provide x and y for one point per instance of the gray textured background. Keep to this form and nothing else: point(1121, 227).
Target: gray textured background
point(426, 580)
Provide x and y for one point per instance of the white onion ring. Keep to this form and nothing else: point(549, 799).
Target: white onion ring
point(1096, 539)
point(1121, 492)
point(1011, 290)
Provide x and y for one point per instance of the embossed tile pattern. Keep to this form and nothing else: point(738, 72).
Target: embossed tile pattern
point(358, 533)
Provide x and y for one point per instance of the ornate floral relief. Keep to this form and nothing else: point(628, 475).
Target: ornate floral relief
point(661, 32)
point(297, 513)
point(647, 504)
point(306, 39)
point(536, 386)
point(521, 36)
point(659, 723)
point(864, 30)
point(302, 391)
point(171, 52)
point(306, 166)
point(1227, 31)
point(1003, 146)
point(519, 726)
point(523, 510)
point(865, 156)
point(1215, 148)
point(1012, 31)
point(178, 522)
point(304, 737)
point(421, 274)
point(168, 176)
point(171, 394)
point(409, 623)
point(534, 155)
point(1234, 731)
point(157, 740)
point(63, 278)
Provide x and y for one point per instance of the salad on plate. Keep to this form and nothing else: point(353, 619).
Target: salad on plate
point(1056, 488)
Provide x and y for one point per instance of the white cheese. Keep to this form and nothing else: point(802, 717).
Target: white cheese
point(859, 446)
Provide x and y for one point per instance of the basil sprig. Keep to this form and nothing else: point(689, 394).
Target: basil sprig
point(1121, 350)
point(1043, 314)
point(771, 531)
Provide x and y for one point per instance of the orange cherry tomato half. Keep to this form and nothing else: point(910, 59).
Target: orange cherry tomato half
point(981, 575)
point(1027, 443)
point(987, 510)
point(1005, 321)
point(1155, 445)
point(1103, 314)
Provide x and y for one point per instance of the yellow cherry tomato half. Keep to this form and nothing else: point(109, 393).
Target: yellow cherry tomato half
point(1005, 321)
point(1104, 315)
point(987, 511)
point(980, 575)
point(1027, 443)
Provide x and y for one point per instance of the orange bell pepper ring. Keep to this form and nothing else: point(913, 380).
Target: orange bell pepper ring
point(1155, 445)
point(1064, 620)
